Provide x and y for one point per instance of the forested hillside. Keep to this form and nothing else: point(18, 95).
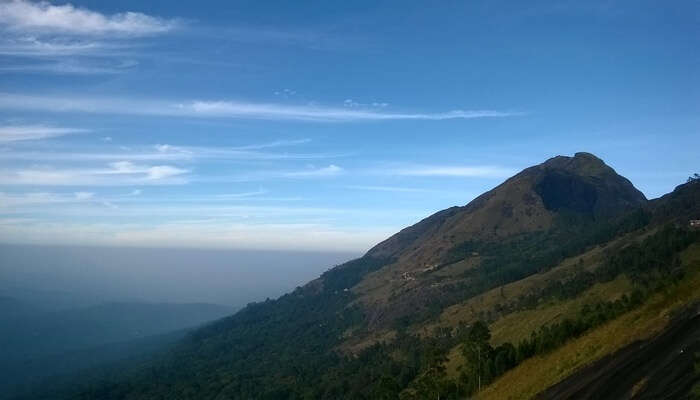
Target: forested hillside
point(558, 267)
point(39, 344)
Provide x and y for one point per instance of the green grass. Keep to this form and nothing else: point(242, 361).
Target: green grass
point(469, 310)
point(517, 326)
point(648, 320)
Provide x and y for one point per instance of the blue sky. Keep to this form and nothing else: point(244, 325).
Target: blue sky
point(321, 125)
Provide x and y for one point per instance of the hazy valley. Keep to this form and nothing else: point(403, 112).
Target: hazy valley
point(562, 265)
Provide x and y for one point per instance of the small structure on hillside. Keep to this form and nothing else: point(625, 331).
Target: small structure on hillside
point(430, 267)
point(694, 223)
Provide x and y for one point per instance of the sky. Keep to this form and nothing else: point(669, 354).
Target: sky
point(323, 126)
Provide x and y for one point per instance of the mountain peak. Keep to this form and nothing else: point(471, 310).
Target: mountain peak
point(527, 202)
point(583, 184)
point(581, 163)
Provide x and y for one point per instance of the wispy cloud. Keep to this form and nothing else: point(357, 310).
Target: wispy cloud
point(316, 113)
point(156, 172)
point(115, 174)
point(399, 189)
point(14, 133)
point(276, 143)
point(225, 109)
point(65, 39)
point(485, 171)
point(242, 195)
point(68, 67)
point(32, 46)
point(331, 170)
point(15, 200)
point(164, 152)
point(27, 16)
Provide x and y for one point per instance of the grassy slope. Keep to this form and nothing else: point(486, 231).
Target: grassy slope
point(468, 311)
point(517, 326)
point(639, 324)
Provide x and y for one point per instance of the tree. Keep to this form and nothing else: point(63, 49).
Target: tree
point(479, 333)
point(477, 351)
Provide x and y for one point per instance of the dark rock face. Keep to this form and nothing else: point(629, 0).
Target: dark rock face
point(566, 191)
point(584, 184)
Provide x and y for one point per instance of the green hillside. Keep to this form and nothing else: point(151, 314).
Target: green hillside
point(561, 265)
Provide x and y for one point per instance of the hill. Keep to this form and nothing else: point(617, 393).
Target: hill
point(561, 265)
point(38, 344)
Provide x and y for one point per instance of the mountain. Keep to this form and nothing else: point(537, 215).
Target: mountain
point(11, 307)
point(561, 266)
point(527, 202)
point(51, 333)
point(39, 344)
point(539, 204)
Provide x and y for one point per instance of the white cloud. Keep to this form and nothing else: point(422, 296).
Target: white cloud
point(135, 192)
point(242, 195)
point(224, 109)
point(399, 189)
point(16, 200)
point(163, 171)
point(354, 104)
point(165, 148)
point(452, 171)
point(70, 66)
point(162, 153)
point(317, 113)
point(331, 170)
point(32, 46)
point(276, 143)
point(14, 133)
point(84, 195)
point(26, 16)
point(150, 172)
point(117, 173)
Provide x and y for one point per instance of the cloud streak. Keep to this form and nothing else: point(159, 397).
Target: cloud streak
point(224, 109)
point(16, 133)
point(70, 67)
point(392, 189)
point(15, 200)
point(26, 16)
point(163, 153)
point(474, 171)
point(115, 174)
point(331, 170)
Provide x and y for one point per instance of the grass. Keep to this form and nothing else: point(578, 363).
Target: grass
point(648, 320)
point(517, 326)
point(469, 310)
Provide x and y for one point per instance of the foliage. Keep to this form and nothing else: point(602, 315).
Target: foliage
point(288, 348)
